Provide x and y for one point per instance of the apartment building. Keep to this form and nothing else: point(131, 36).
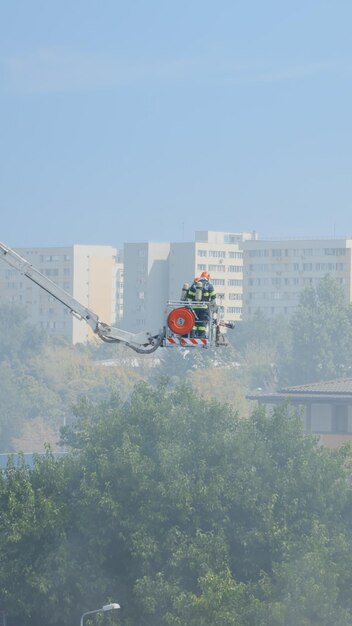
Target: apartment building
point(155, 272)
point(119, 287)
point(88, 273)
point(146, 284)
point(220, 253)
point(276, 272)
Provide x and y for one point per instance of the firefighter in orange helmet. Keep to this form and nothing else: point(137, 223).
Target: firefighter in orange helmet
point(201, 293)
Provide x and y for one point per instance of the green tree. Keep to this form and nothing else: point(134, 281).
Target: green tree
point(18, 338)
point(185, 514)
point(44, 577)
point(262, 345)
point(198, 505)
point(321, 335)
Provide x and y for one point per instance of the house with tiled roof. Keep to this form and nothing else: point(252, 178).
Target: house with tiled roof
point(326, 408)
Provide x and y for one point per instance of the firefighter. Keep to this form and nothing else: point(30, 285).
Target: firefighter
point(208, 291)
point(201, 293)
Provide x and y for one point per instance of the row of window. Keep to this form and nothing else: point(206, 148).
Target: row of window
point(297, 252)
point(231, 296)
point(201, 267)
point(264, 282)
point(54, 258)
point(278, 282)
point(273, 295)
point(55, 271)
point(221, 254)
point(53, 325)
point(271, 310)
point(230, 282)
point(296, 267)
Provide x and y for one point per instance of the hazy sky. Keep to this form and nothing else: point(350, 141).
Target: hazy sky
point(150, 119)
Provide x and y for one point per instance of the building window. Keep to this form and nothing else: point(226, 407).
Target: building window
point(48, 258)
point(235, 268)
point(253, 253)
point(218, 282)
point(218, 254)
point(201, 267)
point(321, 418)
point(335, 251)
point(235, 296)
point(256, 267)
point(51, 272)
point(231, 238)
point(234, 282)
point(341, 419)
point(216, 268)
point(235, 255)
point(202, 253)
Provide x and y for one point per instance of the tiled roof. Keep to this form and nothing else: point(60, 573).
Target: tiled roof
point(339, 386)
point(329, 390)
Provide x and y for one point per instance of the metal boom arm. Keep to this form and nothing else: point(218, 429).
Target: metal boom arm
point(140, 342)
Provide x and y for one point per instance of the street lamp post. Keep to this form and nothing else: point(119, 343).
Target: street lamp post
point(106, 607)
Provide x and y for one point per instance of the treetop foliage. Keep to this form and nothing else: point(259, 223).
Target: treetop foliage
point(172, 505)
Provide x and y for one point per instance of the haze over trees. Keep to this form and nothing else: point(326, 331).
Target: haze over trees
point(173, 498)
point(315, 344)
point(185, 514)
point(321, 346)
point(41, 380)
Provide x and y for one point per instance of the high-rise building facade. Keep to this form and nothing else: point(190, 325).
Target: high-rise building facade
point(119, 288)
point(146, 283)
point(88, 273)
point(276, 272)
point(154, 273)
point(219, 253)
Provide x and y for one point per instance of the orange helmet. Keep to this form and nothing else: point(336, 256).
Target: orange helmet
point(196, 279)
point(205, 275)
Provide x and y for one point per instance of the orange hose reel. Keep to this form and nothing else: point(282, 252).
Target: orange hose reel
point(181, 321)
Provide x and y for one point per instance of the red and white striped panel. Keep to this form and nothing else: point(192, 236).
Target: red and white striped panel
point(186, 342)
point(194, 342)
point(173, 341)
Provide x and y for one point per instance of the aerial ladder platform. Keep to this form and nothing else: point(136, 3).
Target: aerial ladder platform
point(179, 316)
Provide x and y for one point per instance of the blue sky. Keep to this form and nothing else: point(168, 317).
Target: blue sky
point(150, 119)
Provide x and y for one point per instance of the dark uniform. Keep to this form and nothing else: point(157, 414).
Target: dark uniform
point(199, 293)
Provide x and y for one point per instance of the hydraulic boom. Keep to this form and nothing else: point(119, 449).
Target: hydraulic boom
point(142, 342)
point(178, 331)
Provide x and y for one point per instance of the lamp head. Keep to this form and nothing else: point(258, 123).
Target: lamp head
point(109, 607)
